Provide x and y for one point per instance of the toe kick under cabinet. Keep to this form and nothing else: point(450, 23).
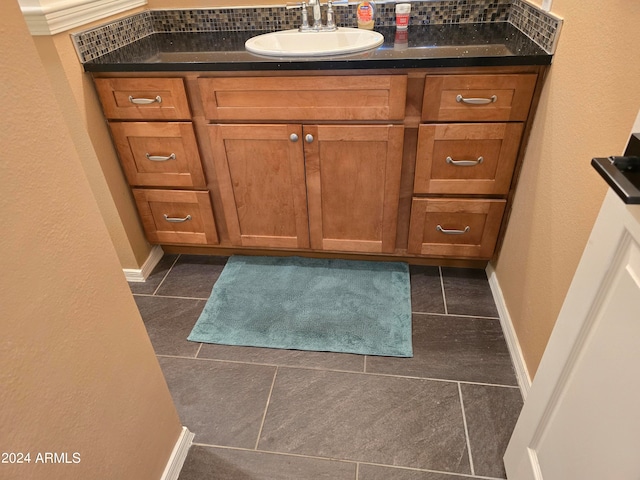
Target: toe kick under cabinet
point(411, 164)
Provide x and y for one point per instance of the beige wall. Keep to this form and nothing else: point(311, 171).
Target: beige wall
point(79, 105)
point(97, 154)
point(587, 109)
point(78, 373)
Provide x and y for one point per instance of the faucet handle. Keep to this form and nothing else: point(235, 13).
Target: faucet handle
point(305, 15)
point(331, 19)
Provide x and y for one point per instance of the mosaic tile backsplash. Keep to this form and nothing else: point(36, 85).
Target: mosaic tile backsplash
point(541, 27)
point(538, 25)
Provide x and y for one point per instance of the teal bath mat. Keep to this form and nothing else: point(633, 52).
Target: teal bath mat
point(310, 304)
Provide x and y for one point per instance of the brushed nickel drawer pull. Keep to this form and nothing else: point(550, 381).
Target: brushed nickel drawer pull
point(452, 232)
point(157, 158)
point(176, 220)
point(293, 137)
point(145, 101)
point(476, 101)
point(464, 163)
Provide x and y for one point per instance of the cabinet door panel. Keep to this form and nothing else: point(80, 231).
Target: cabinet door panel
point(143, 98)
point(460, 228)
point(159, 154)
point(353, 184)
point(312, 98)
point(478, 98)
point(466, 158)
point(261, 176)
point(176, 216)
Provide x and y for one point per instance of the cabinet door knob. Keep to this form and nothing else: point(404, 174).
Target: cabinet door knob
point(293, 137)
point(308, 138)
point(452, 232)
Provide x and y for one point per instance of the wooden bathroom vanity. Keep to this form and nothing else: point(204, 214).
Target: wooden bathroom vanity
point(382, 157)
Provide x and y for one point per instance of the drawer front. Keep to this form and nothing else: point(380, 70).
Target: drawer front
point(455, 227)
point(367, 97)
point(143, 98)
point(477, 97)
point(159, 154)
point(466, 158)
point(176, 216)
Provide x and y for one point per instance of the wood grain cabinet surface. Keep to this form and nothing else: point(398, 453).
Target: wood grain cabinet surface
point(413, 164)
point(143, 98)
point(325, 187)
point(492, 97)
point(261, 178)
point(176, 216)
point(161, 154)
point(327, 97)
point(466, 158)
point(454, 227)
point(474, 157)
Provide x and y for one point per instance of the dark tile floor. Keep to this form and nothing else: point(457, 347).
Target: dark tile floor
point(263, 414)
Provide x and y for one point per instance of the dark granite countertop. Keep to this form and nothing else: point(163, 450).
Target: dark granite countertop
point(449, 45)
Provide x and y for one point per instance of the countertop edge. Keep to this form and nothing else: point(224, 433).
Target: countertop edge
point(330, 64)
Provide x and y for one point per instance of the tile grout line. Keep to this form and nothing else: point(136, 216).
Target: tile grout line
point(444, 296)
point(165, 277)
point(357, 470)
point(466, 429)
point(264, 415)
point(462, 315)
point(354, 372)
point(198, 352)
point(168, 296)
point(342, 460)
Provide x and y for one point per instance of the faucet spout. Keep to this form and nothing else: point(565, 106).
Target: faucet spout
point(317, 14)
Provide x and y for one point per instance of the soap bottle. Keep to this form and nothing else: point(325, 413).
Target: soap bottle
point(365, 13)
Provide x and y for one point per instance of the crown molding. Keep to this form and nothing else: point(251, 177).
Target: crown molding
point(49, 17)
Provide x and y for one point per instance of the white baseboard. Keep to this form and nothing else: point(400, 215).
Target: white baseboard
point(524, 381)
point(141, 274)
point(178, 455)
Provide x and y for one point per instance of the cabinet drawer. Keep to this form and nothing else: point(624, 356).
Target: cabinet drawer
point(367, 97)
point(455, 227)
point(176, 216)
point(143, 98)
point(477, 97)
point(466, 158)
point(159, 154)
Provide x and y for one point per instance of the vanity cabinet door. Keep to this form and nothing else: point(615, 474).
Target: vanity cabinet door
point(353, 185)
point(260, 170)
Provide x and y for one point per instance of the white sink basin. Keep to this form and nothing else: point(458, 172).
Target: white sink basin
point(293, 43)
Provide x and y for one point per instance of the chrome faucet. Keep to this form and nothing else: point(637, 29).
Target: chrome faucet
point(317, 15)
